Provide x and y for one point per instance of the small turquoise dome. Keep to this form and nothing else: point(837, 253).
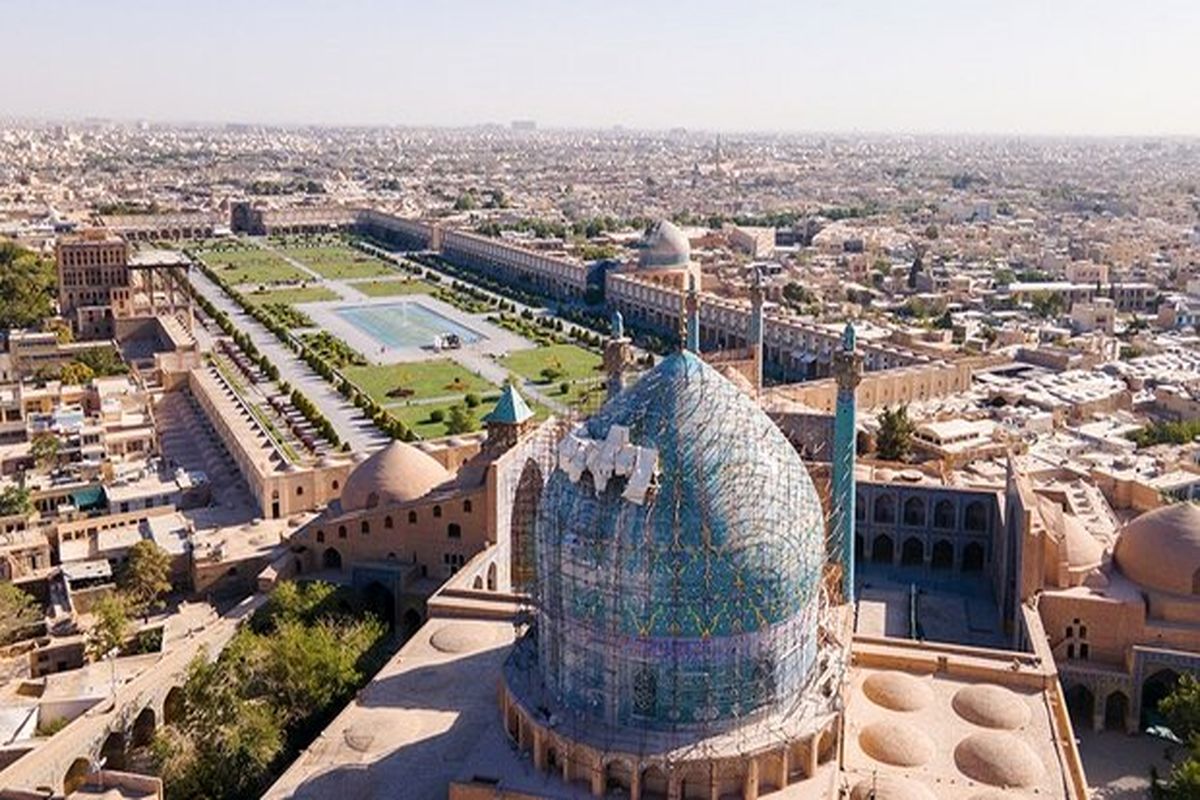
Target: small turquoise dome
point(697, 601)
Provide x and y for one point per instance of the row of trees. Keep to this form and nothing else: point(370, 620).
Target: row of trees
point(273, 688)
point(1184, 432)
point(243, 341)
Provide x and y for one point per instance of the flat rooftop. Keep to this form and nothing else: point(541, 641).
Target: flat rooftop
point(957, 737)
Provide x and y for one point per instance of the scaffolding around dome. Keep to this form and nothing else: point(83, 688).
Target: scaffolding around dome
point(679, 610)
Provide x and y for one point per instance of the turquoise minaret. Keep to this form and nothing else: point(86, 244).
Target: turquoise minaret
point(756, 327)
point(618, 352)
point(847, 370)
point(692, 327)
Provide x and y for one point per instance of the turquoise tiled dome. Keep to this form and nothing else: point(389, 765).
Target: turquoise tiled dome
point(699, 605)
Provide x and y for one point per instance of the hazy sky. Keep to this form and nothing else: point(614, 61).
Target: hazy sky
point(996, 66)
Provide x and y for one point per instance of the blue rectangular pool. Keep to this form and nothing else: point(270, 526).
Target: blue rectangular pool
point(405, 323)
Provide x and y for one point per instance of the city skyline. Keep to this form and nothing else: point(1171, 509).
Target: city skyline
point(931, 68)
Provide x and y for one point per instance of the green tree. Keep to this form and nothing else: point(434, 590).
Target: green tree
point(310, 666)
point(15, 500)
point(461, 420)
point(18, 611)
point(1182, 710)
point(292, 601)
point(76, 373)
point(895, 434)
point(102, 361)
point(110, 628)
point(273, 687)
point(27, 284)
point(797, 294)
point(44, 449)
point(1046, 304)
point(145, 577)
point(225, 743)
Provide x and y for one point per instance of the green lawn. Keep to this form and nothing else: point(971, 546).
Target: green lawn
point(574, 362)
point(338, 262)
point(394, 288)
point(251, 265)
point(425, 379)
point(291, 297)
point(417, 416)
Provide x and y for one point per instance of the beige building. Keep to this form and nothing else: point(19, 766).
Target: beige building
point(411, 516)
point(1121, 610)
point(282, 481)
point(104, 286)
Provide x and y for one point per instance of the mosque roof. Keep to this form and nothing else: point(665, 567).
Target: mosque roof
point(665, 247)
point(1161, 549)
point(398, 473)
point(511, 408)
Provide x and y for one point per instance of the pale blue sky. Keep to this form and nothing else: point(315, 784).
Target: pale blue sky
point(991, 66)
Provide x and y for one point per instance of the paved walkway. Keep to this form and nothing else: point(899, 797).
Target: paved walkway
point(350, 423)
point(1118, 766)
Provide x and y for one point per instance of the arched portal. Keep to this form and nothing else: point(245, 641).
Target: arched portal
point(1116, 711)
point(491, 577)
point(912, 553)
point(143, 728)
point(695, 785)
point(859, 547)
point(914, 512)
point(975, 518)
point(943, 515)
point(943, 555)
point(1081, 705)
point(1154, 689)
point(654, 783)
point(173, 706)
point(972, 557)
point(76, 776)
point(882, 550)
point(885, 509)
point(332, 558)
point(113, 751)
point(618, 776)
point(379, 601)
point(521, 530)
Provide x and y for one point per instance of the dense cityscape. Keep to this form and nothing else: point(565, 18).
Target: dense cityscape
point(518, 462)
